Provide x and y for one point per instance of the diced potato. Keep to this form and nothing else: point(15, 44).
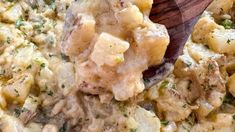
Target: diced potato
point(17, 89)
point(224, 120)
point(5, 33)
point(154, 40)
point(39, 60)
point(220, 6)
point(146, 120)
point(222, 41)
point(144, 4)
point(12, 14)
point(204, 108)
point(50, 128)
point(130, 17)
point(109, 50)
point(183, 65)
point(231, 85)
point(65, 77)
point(33, 127)
point(11, 124)
point(29, 108)
point(200, 52)
point(31, 103)
point(81, 35)
point(203, 27)
point(23, 56)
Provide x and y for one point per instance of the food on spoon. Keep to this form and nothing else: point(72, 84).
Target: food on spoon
point(113, 45)
point(197, 96)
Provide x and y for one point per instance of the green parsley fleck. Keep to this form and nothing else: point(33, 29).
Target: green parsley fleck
point(19, 22)
point(17, 93)
point(173, 86)
point(164, 122)
point(63, 86)
point(228, 99)
point(43, 65)
point(133, 130)
point(8, 40)
point(64, 127)
point(228, 24)
point(228, 41)
point(24, 110)
point(164, 84)
point(125, 115)
point(210, 67)
point(17, 112)
point(10, 0)
point(146, 80)
point(29, 66)
point(50, 93)
point(233, 117)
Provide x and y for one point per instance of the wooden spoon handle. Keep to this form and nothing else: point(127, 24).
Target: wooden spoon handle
point(179, 16)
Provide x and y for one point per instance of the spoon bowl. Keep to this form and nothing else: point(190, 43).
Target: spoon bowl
point(179, 17)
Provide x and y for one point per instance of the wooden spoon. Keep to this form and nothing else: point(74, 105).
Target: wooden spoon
point(179, 16)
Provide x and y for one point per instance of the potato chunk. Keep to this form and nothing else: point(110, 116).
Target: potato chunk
point(154, 40)
point(222, 41)
point(203, 27)
point(80, 36)
point(144, 4)
point(146, 120)
point(109, 50)
point(12, 14)
point(17, 89)
point(130, 17)
point(220, 6)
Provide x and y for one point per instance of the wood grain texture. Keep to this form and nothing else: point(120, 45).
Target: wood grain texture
point(179, 16)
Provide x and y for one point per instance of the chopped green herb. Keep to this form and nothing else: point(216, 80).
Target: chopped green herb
point(29, 66)
point(63, 86)
point(228, 24)
point(133, 130)
point(43, 65)
point(17, 93)
point(50, 93)
point(146, 80)
point(10, 0)
point(164, 84)
point(173, 86)
point(17, 112)
point(119, 59)
point(233, 117)
point(210, 67)
point(228, 99)
point(164, 122)
point(228, 41)
point(64, 127)
point(51, 55)
point(49, 2)
point(19, 22)
point(8, 40)
point(24, 110)
point(125, 115)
